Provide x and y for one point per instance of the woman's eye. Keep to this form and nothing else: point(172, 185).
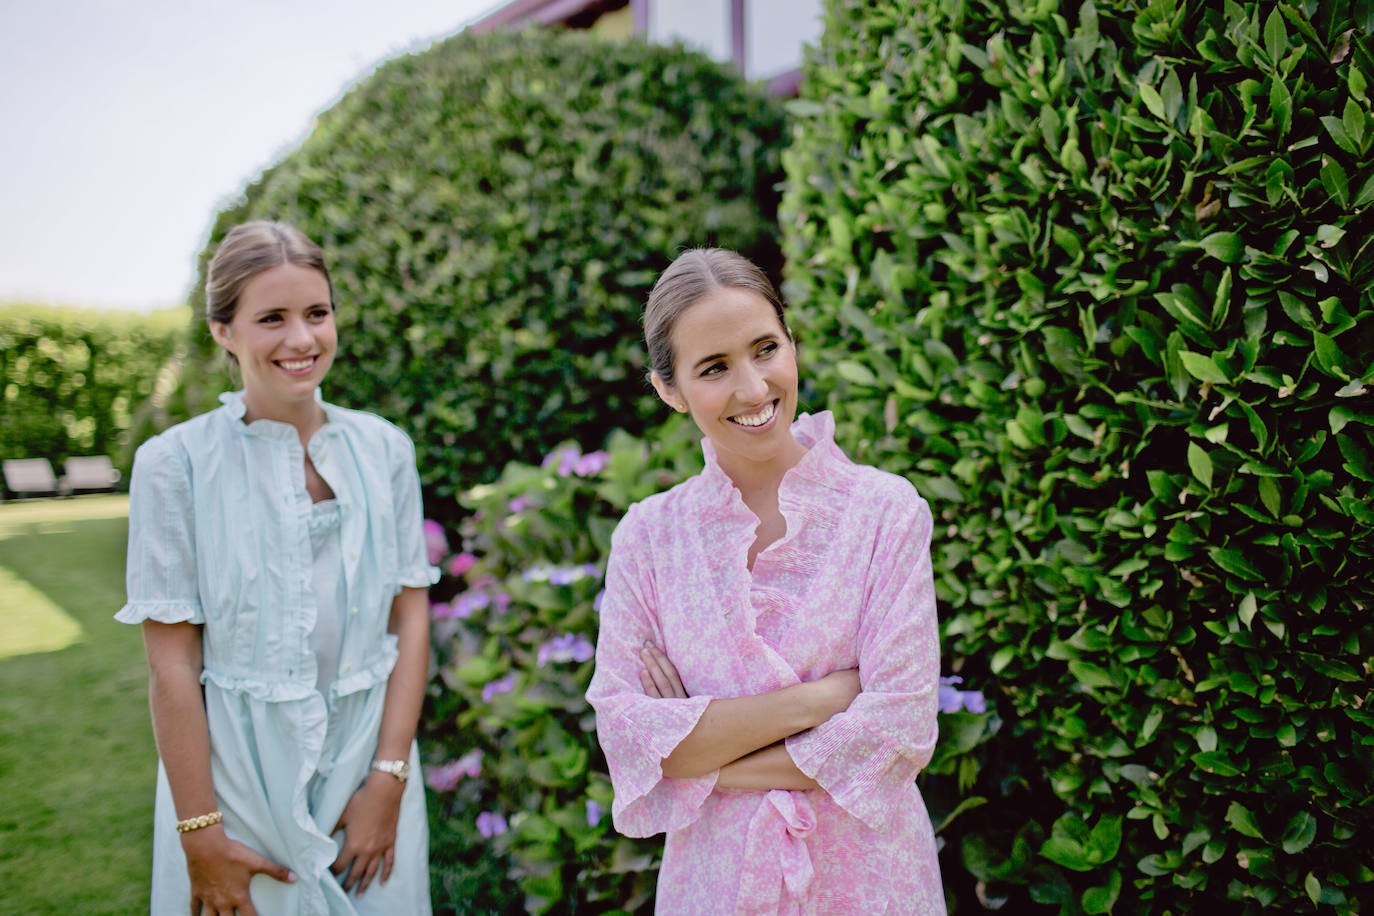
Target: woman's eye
point(320, 314)
point(271, 319)
point(768, 349)
point(713, 369)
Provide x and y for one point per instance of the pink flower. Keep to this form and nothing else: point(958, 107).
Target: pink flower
point(461, 563)
point(435, 542)
point(445, 778)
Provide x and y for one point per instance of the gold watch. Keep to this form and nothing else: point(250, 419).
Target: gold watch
point(398, 768)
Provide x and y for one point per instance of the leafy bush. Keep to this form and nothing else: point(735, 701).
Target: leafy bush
point(495, 209)
point(1097, 278)
point(72, 380)
point(520, 799)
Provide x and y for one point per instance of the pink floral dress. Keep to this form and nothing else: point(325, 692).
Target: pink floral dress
point(849, 585)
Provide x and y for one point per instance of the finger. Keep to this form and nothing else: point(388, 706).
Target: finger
point(662, 685)
point(668, 673)
point(388, 862)
point(657, 687)
point(274, 870)
point(368, 874)
point(195, 906)
point(648, 684)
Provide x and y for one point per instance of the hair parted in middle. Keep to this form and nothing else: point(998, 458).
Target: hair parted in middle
point(694, 274)
point(247, 250)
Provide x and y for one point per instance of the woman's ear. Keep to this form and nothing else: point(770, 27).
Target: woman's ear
point(667, 393)
point(222, 335)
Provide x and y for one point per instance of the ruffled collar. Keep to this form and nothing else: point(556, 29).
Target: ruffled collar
point(236, 410)
point(822, 465)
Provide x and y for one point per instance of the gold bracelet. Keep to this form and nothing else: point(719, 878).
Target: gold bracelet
point(196, 823)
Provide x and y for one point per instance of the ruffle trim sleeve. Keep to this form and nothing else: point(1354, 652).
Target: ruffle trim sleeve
point(419, 576)
point(161, 612)
point(636, 739)
point(855, 766)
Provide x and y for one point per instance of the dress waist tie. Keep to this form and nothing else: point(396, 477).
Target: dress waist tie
point(776, 855)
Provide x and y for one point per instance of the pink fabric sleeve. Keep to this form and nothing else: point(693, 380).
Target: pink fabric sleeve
point(637, 731)
point(866, 756)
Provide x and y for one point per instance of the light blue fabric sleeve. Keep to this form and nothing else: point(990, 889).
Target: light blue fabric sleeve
point(415, 569)
point(161, 583)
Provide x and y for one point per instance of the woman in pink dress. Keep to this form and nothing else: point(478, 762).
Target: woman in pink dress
point(768, 662)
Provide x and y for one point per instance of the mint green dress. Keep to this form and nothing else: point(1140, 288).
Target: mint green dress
point(294, 600)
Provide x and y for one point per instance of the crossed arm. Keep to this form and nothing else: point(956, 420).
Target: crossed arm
point(742, 736)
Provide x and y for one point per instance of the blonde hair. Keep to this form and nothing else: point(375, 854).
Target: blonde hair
point(248, 250)
point(695, 273)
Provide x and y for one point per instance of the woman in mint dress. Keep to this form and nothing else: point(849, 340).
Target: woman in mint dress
point(278, 569)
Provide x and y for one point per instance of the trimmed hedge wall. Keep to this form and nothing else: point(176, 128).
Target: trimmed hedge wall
point(77, 382)
point(494, 210)
point(1097, 278)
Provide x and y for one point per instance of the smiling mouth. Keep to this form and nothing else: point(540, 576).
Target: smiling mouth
point(769, 411)
point(297, 366)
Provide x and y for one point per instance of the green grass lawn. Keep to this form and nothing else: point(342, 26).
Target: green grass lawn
point(77, 761)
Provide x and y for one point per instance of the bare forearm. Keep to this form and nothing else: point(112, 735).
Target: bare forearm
point(183, 738)
point(405, 689)
point(736, 727)
point(764, 770)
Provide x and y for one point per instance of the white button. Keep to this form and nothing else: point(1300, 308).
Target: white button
point(353, 611)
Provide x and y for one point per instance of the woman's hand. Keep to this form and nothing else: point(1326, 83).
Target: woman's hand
point(659, 677)
point(369, 826)
point(220, 869)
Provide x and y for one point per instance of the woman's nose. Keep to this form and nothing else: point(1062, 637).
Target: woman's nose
point(298, 334)
point(753, 387)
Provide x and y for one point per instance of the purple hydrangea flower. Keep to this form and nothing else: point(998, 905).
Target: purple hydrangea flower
point(435, 542)
point(594, 813)
point(591, 464)
point(500, 685)
point(596, 602)
point(568, 647)
point(518, 504)
point(564, 459)
point(469, 601)
point(491, 824)
point(953, 700)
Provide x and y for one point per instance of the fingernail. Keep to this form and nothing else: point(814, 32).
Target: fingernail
point(291, 877)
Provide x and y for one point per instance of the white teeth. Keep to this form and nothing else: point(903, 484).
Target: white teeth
point(295, 365)
point(759, 418)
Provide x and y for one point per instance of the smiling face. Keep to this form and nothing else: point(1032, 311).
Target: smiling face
point(735, 372)
point(283, 337)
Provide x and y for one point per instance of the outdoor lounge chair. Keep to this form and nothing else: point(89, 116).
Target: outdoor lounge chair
point(31, 477)
point(93, 473)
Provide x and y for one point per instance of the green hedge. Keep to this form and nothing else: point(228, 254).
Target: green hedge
point(77, 382)
point(1097, 278)
point(494, 210)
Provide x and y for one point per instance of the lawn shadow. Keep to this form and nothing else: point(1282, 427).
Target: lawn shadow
point(76, 748)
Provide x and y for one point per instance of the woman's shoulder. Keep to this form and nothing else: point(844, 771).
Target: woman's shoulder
point(368, 426)
point(886, 489)
point(173, 443)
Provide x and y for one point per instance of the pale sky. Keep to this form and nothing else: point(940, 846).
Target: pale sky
point(126, 124)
